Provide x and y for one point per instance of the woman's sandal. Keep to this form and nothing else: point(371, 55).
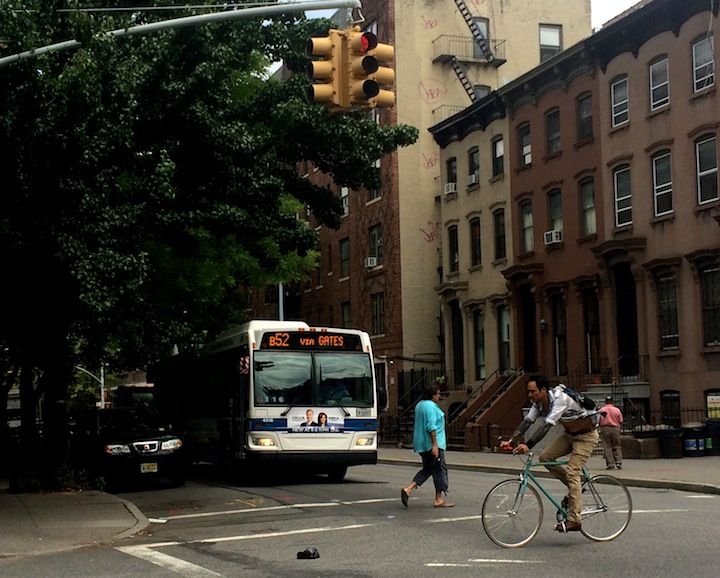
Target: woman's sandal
point(444, 505)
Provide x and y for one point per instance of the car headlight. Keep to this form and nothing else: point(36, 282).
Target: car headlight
point(172, 445)
point(116, 449)
point(365, 441)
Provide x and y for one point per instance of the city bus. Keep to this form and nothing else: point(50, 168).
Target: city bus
point(275, 393)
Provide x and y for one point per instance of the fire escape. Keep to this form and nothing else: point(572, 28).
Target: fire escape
point(460, 51)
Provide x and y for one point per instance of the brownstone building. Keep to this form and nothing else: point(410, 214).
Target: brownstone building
point(613, 211)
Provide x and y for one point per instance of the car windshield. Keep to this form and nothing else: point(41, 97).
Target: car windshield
point(303, 378)
point(130, 421)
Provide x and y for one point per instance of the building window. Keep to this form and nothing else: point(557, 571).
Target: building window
point(451, 170)
point(481, 90)
point(376, 243)
point(584, 118)
point(453, 256)
point(588, 225)
point(498, 157)
point(373, 194)
point(481, 49)
point(473, 166)
point(620, 102)
point(526, 226)
point(710, 281)
point(559, 334)
point(503, 320)
point(555, 216)
point(345, 200)
point(659, 84)
point(345, 310)
point(525, 146)
point(662, 183)
point(475, 242)
point(703, 64)
point(378, 313)
point(707, 169)
point(591, 319)
point(623, 198)
point(479, 342)
point(499, 229)
point(667, 312)
point(552, 131)
point(344, 257)
point(670, 407)
point(550, 40)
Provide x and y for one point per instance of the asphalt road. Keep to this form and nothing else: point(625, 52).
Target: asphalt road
point(210, 529)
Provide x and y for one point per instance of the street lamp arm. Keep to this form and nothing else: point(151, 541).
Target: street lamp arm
point(95, 377)
point(190, 21)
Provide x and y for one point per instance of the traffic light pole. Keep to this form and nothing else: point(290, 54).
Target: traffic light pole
point(189, 21)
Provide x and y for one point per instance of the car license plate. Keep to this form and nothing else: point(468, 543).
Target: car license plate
point(150, 468)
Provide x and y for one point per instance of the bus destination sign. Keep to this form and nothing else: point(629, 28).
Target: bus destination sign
point(311, 340)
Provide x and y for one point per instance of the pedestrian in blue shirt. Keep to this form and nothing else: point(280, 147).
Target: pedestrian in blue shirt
point(429, 441)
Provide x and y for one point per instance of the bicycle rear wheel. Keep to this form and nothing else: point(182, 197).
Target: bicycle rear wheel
point(607, 508)
point(509, 518)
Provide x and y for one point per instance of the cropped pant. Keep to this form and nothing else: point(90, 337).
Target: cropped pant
point(437, 468)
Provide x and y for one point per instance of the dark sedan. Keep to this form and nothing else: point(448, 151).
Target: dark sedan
point(136, 445)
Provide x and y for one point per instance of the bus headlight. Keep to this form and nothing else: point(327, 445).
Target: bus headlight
point(365, 441)
point(267, 442)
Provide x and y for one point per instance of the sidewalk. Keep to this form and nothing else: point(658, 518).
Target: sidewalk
point(43, 523)
point(52, 522)
point(695, 474)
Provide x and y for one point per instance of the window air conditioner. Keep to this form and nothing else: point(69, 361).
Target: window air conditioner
point(370, 262)
point(473, 179)
point(552, 237)
point(450, 188)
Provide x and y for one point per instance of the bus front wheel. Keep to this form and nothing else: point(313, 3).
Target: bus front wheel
point(337, 473)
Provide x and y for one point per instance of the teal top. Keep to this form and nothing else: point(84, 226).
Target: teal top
point(428, 417)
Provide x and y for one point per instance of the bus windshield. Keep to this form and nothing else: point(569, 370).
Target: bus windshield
point(304, 378)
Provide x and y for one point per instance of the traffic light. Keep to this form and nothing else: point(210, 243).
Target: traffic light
point(370, 79)
point(329, 74)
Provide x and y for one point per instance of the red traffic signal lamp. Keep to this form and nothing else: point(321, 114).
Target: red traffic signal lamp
point(328, 73)
point(370, 80)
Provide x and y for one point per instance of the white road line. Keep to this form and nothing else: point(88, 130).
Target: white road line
point(703, 497)
point(669, 511)
point(171, 563)
point(253, 536)
point(471, 563)
point(272, 508)
point(459, 519)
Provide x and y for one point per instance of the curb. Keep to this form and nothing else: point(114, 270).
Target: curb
point(141, 521)
point(631, 482)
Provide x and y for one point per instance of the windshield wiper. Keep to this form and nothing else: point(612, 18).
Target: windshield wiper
point(283, 414)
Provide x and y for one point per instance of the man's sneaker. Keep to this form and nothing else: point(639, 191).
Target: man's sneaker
point(568, 526)
point(618, 466)
point(612, 467)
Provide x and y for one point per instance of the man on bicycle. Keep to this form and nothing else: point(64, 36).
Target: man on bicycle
point(579, 440)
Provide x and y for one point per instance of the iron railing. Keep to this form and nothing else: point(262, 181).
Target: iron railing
point(466, 48)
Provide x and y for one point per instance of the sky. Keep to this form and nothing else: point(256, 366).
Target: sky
point(604, 10)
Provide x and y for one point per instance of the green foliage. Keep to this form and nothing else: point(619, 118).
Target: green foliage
point(144, 179)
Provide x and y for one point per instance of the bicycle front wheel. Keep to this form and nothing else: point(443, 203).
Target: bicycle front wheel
point(511, 517)
point(607, 508)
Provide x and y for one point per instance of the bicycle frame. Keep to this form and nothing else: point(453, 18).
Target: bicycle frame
point(527, 476)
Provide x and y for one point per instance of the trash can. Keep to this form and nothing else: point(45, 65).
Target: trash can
point(712, 437)
point(694, 440)
point(671, 443)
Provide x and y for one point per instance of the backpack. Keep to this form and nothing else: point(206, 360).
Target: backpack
point(582, 400)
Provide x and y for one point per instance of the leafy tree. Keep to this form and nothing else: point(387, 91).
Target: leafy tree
point(145, 179)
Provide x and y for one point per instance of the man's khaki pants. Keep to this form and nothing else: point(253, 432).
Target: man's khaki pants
point(580, 447)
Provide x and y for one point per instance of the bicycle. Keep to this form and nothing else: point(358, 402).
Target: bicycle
point(513, 511)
